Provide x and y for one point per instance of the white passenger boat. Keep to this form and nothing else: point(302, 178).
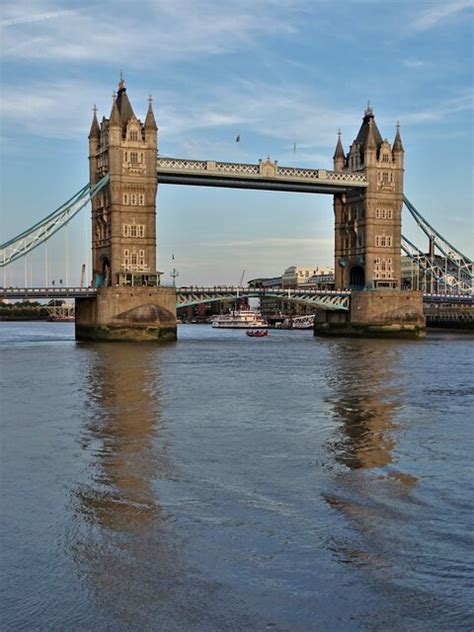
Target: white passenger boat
point(239, 319)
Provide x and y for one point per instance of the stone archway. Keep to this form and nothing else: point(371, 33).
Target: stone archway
point(357, 278)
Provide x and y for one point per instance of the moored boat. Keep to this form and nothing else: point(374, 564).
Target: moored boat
point(239, 319)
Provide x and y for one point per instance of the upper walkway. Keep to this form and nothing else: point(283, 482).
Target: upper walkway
point(266, 175)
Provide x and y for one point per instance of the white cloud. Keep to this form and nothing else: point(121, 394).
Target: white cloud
point(441, 110)
point(439, 12)
point(116, 34)
point(39, 17)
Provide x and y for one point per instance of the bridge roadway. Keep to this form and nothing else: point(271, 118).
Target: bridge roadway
point(194, 295)
point(266, 175)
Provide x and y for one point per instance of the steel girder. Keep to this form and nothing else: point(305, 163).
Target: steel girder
point(40, 232)
point(320, 299)
point(463, 278)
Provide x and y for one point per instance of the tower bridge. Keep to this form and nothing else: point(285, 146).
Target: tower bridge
point(127, 300)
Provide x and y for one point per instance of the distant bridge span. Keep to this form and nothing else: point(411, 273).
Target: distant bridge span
point(196, 295)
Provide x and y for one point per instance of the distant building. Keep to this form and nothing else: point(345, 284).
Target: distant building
point(322, 280)
point(295, 276)
point(265, 282)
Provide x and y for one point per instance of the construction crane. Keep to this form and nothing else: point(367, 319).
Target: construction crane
point(241, 278)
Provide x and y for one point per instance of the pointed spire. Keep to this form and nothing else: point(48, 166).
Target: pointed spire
point(397, 143)
point(121, 84)
point(370, 139)
point(115, 116)
point(339, 153)
point(95, 129)
point(124, 107)
point(150, 122)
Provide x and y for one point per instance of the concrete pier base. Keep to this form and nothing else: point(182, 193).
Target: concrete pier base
point(377, 313)
point(128, 313)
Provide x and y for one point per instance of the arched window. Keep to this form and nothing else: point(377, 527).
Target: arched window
point(133, 135)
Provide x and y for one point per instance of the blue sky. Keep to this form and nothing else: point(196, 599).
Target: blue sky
point(277, 73)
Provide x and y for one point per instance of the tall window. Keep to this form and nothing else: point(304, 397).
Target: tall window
point(133, 134)
point(133, 156)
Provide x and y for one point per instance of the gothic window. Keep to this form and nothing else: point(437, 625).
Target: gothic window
point(141, 199)
point(389, 213)
point(133, 156)
point(385, 158)
point(141, 157)
point(125, 198)
point(133, 134)
point(377, 213)
point(126, 156)
point(385, 177)
point(133, 199)
point(134, 258)
point(383, 241)
point(134, 230)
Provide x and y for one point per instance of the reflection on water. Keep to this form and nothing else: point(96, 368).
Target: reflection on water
point(365, 400)
point(117, 515)
point(120, 439)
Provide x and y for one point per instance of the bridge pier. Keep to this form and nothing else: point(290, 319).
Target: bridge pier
point(128, 314)
point(377, 313)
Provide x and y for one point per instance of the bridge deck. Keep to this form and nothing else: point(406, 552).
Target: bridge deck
point(220, 292)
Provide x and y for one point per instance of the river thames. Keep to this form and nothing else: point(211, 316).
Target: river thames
point(227, 483)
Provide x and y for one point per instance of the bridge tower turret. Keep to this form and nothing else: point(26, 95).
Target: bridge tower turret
point(124, 213)
point(368, 222)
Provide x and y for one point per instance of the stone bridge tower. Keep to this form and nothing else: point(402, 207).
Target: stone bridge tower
point(130, 303)
point(368, 222)
point(124, 213)
point(368, 241)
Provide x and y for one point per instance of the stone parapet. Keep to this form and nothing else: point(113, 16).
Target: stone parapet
point(126, 313)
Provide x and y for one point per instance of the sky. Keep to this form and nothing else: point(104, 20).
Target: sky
point(285, 75)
